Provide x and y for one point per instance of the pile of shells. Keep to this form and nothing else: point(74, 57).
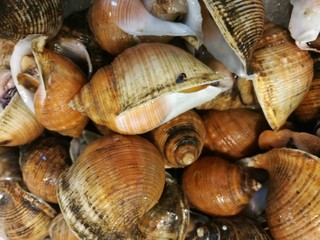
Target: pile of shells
point(177, 119)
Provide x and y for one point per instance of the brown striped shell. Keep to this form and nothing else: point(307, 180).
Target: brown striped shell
point(146, 86)
point(217, 187)
point(115, 180)
point(41, 164)
point(284, 75)
point(59, 229)
point(21, 18)
point(23, 216)
point(240, 24)
point(292, 209)
point(180, 140)
point(233, 133)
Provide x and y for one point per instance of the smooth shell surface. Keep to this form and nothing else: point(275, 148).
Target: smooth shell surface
point(180, 140)
point(217, 187)
point(9, 164)
point(146, 86)
point(292, 209)
point(115, 180)
point(21, 18)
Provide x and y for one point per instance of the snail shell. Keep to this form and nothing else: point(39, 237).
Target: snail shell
point(21, 18)
point(233, 133)
point(292, 208)
point(60, 80)
point(284, 75)
point(59, 229)
point(118, 25)
point(18, 125)
point(23, 215)
point(115, 180)
point(146, 86)
point(217, 187)
point(9, 164)
point(226, 228)
point(169, 218)
point(235, 32)
point(180, 140)
point(41, 164)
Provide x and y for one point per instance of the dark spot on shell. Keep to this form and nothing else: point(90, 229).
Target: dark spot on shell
point(180, 78)
point(32, 207)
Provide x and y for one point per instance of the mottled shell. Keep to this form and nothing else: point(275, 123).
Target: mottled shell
point(60, 80)
point(118, 25)
point(233, 133)
point(115, 180)
point(227, 228)
point(18, 125)
point(59, 229)
point(309, 108)
point(145, 86)
point(292, 209)
point(23, 215)
point(284, 75)
point(21, 18)
point(241, 26)
point(6, 49)
point(9, 164)
point(217, 187)
point(41, 164)
point(169, 218)
point(180, 140)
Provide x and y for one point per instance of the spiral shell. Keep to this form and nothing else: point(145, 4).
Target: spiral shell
point(169, 218)
point(284, 75)
point(292, 209)
point(235, 32)
point(60, 80)
point(41, 163)
point(21, 18)
point(146, 86)
point(180, 140)
point(115, 180)
point(217, 187)
point(233, 133)
point(23, 215)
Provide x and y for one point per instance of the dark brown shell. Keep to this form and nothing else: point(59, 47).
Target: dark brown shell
point(41, 163)
point(9, 164)
point(21, 18)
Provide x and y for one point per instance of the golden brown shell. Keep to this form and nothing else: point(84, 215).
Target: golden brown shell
point(180, 140)
point(59, 229)
point(41, 163)
point(21, 18)
point(115, 180)
point(217, 187)
point(292, 209)
point(23, 215)
point(233, 133)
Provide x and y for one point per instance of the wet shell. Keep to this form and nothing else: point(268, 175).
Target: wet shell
point(180, 140)
point(9, 164)
point(169, 218)
point(284, 75)
point(146, 86)
point(292, 209)
point(115, 180)
point(23, 215)
point(60, 80)
point(233, 133)
point(59, 229)
point(21, 18)
point(18, 125)
point(41, 163)
point(118, 25)
point(240, 25)
point(235, 228)
point(309, 108)
point(217, 187)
